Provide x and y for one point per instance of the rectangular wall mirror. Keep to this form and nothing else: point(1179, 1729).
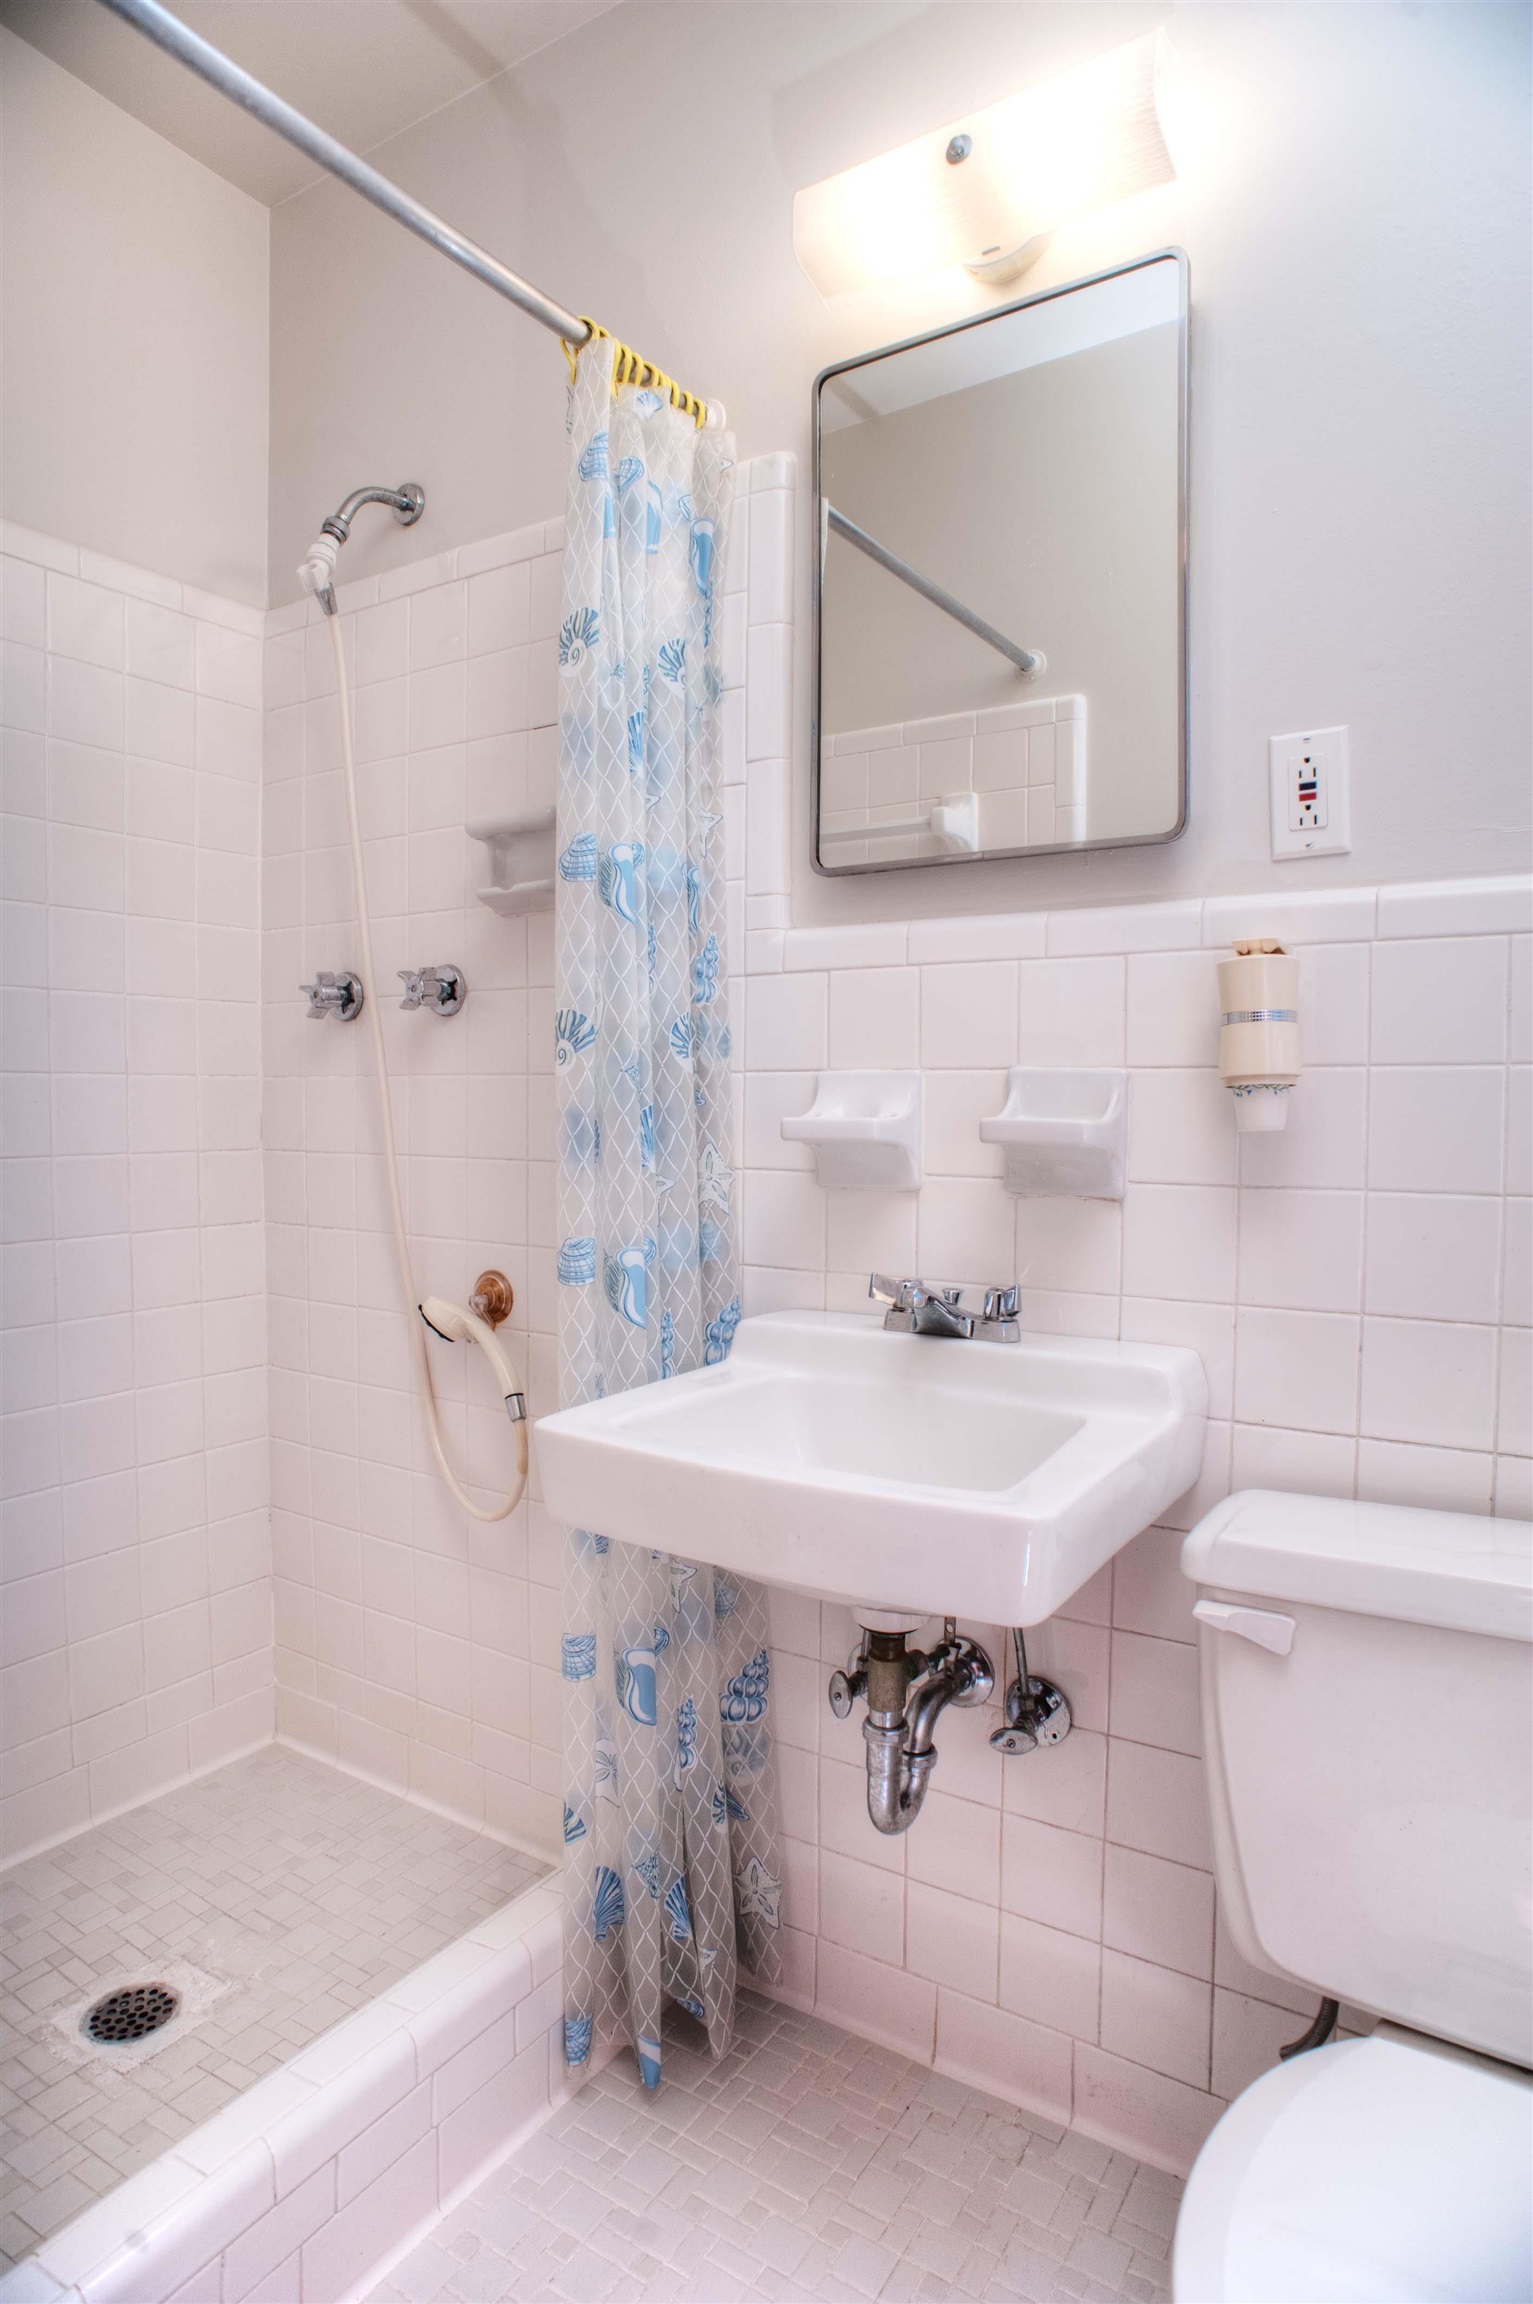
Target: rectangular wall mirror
point(1000, 594)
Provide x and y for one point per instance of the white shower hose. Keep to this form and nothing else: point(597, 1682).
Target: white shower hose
point(462, 1323)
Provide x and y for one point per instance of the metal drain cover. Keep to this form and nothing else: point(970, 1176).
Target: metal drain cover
point(130, 2013)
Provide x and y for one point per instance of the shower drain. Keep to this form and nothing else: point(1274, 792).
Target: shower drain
point(131, 2012)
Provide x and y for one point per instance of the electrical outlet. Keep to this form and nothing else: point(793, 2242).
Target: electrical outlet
point(1311, 803)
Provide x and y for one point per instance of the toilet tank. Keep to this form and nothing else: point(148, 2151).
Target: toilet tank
point(1367, 1691)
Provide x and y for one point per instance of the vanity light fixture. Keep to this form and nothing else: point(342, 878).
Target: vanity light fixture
point(989, 191)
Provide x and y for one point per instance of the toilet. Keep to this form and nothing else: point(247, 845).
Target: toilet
point(1367, 1694)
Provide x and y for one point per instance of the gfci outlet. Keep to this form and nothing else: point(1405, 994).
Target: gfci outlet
point(1311, 802)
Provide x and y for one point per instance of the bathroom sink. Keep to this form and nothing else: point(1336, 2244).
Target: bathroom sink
point(896, 1472)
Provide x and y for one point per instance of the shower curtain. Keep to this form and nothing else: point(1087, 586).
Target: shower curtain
point(673, 1874)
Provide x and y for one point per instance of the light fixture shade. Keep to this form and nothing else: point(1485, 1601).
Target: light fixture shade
point(1079, 141)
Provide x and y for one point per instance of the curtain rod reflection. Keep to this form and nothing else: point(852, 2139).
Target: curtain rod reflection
point(1028, 661)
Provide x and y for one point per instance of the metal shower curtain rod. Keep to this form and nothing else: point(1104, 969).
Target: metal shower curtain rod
point(221, 72)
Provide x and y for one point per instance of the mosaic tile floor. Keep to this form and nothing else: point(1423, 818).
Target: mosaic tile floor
point(807, 2165)
point(299, 1890)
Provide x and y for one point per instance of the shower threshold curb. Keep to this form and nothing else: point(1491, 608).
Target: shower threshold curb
point(317, 2178)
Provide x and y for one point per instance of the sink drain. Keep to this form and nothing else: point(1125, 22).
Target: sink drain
point(130, 2013)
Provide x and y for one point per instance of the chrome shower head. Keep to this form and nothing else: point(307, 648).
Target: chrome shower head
point(317, 570)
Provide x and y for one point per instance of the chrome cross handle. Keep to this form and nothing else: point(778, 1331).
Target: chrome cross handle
point(443, 990)
point(335, 993)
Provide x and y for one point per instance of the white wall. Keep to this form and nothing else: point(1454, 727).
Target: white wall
point(1352, 196)
point(135, 327)
point(135, 1623)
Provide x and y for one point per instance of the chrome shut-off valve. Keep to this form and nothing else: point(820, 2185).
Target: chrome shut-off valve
point(1037, 1712)
point(441, 991)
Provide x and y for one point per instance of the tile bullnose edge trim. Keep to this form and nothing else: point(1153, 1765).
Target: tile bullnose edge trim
point(1492, 906)
point(150, 2211)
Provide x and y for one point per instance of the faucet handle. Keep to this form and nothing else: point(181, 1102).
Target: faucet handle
point(1003, 1302)
point(899, 1293)
point(441, 990)
point(334, 992)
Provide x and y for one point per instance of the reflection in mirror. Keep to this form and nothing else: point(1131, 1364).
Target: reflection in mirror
point(1000, 597)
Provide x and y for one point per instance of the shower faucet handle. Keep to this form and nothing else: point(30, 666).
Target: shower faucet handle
point(443, 990)
point(336, 993)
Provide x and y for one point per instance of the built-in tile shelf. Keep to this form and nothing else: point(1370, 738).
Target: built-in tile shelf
point(521, 860)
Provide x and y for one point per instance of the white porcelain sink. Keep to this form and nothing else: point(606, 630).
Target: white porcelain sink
point(900, 1472)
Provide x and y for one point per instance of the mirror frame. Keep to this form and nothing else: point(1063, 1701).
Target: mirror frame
point(930, 336)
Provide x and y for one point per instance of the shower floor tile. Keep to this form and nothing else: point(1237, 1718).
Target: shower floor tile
point(807, 2165)
point(296, 1891)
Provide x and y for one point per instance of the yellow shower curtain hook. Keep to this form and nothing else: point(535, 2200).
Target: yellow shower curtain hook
point(630, 367)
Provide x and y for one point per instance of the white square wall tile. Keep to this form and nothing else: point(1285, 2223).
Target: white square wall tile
point(1050, 1976)
point(786, 1022)
point(1173, 1008)
point(1302, 1250)
point(1157, 1802)
point(1517, 1264)
point(1052, 1876)
point(1297, 1369)
point(966, 1232)
point(1181, 1128)
point(1434, 1256)
point(1071, 1012)
point(874, 1018)
point(1159, 1911)
point(1432, 1479)
point(969, 1015)
point(768, 714)
point(1301, 1461)
point(1180, 1240)
point(952, 1939)
point(1514, 1418)
point(1430, 1382)
point(1436, 1129)
point(1440, 1001)
point(1156, 2016)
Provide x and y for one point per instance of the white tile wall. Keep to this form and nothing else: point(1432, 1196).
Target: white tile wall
point(412, 1643)
point(1353, 1288)
point(136, 1611)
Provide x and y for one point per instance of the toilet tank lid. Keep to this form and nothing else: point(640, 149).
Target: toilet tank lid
point(1394, 1560)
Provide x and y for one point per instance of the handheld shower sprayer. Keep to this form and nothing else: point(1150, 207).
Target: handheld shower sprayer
point(316, 571)
point(455, 1323)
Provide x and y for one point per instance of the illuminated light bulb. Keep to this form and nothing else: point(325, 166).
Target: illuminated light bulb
point(1019, 169)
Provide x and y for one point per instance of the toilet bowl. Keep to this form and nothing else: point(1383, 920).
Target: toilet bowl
point(1393, 2169)
point(1366, 1677)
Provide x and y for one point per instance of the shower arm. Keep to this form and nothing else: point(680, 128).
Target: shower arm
point(316, 571)
point(407, 502)
point(253, 96)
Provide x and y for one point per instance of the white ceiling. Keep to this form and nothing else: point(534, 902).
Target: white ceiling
point(363, 69)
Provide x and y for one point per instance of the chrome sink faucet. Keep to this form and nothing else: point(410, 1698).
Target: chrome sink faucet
point(917, 1310)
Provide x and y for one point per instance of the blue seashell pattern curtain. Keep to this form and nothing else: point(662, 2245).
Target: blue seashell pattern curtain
point(673, 1871)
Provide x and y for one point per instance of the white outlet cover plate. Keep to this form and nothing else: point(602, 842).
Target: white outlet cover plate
point(1327, 750)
